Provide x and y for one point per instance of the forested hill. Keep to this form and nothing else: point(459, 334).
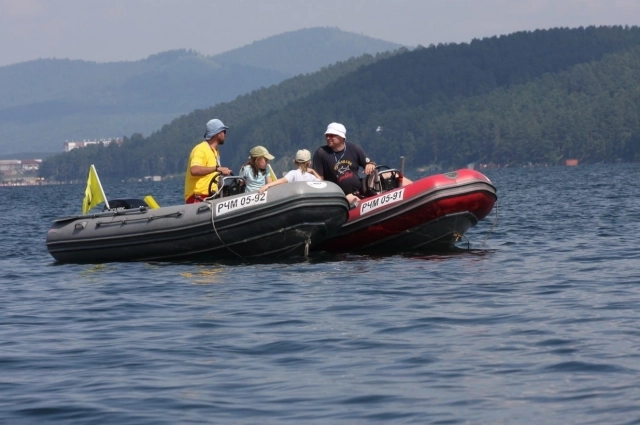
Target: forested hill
point(164, 151)
point(537, 96)
point(62, 99)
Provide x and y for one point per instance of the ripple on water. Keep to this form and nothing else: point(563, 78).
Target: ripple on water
point(539, 325)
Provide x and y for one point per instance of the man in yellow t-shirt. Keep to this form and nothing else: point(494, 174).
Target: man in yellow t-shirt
point(204, 161)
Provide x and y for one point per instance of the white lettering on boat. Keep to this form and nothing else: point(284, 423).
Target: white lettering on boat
point(245, 201)
point(381, 201)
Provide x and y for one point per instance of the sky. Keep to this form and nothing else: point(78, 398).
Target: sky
point(128, 30)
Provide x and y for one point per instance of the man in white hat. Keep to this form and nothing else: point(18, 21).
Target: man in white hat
point(204, 161)
point(339, 162)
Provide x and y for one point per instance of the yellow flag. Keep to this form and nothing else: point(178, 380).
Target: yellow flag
point(93, 194)
point(271, 173)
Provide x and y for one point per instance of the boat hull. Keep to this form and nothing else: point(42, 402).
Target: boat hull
point(288, 221)
point(430, 214)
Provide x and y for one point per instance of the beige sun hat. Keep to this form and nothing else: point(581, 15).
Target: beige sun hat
point(259, 151)
point(303, 155)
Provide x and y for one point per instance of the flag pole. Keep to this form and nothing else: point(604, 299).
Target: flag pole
point(106, 202)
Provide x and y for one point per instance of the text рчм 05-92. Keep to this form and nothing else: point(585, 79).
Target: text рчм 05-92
point(248, 200)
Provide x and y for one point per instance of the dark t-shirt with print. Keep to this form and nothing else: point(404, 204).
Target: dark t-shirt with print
point(341, 167)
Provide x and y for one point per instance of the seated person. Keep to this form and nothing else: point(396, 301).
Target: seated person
point(204, 161)
point(254, 171)
point(302, 173)
point(339, 163)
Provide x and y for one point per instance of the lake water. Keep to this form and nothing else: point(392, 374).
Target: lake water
point(538, 325)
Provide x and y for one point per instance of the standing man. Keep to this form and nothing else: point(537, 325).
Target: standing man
point(339, 163)
point(204, 161)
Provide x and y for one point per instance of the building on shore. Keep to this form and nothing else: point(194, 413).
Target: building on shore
point(74, 144)
point(17, 167)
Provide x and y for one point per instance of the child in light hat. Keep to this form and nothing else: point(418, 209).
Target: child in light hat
point(254, 172)
point(302, 173)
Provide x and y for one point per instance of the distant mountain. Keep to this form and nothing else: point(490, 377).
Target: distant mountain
point(47, 101)
point(316, 45)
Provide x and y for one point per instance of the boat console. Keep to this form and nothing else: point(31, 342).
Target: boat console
point(383, 179)
point(227, 186)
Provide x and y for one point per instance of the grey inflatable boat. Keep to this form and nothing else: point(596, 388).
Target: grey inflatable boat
point(286, 220)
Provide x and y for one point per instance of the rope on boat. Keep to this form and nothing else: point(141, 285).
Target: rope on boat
point(459, 236)
point(495, 221)
point(213, 223)
point(131, 220)
point(306, 244)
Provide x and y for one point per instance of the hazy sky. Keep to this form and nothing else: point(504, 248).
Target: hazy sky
point(116, 30)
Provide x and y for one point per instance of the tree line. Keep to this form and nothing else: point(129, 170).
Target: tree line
point(536, 96)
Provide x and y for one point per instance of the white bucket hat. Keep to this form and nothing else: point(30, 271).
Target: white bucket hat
point(337, 129)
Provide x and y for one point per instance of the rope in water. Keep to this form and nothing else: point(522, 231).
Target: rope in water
point(495, 220)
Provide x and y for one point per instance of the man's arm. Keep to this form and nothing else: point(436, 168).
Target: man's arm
point(366, 163)
point(201, 170)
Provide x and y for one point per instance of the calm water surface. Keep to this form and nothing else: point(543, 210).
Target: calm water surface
point(537, 325)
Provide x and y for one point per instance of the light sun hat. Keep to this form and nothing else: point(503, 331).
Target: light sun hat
point(303, 155)
point(214, 127)
point(337, 129)
point(259, 151)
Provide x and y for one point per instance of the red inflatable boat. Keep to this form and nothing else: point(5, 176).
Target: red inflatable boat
point(430, 214)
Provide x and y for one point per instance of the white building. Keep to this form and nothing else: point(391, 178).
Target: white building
point(14, 167)
point(73, 144)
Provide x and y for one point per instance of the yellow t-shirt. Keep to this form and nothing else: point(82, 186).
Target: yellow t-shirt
point(202, 154)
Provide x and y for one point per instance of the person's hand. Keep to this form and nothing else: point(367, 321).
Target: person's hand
point(224, 170)
point(263, 189)
point(369, 168)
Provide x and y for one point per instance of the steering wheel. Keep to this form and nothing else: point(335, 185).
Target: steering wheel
point(214, 180)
